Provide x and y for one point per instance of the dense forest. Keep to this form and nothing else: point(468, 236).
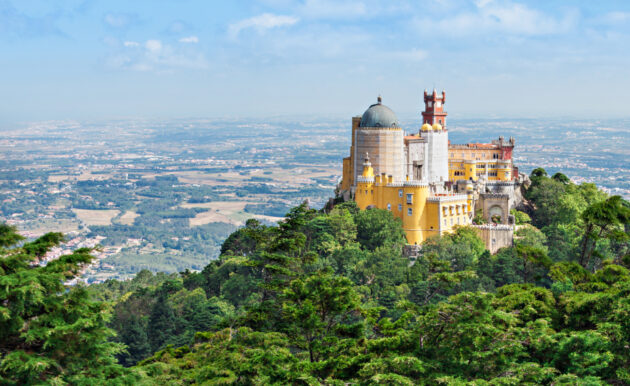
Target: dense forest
point(326, 297)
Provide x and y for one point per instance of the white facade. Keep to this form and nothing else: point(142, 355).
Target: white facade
point(437, 156)
point(426, 157)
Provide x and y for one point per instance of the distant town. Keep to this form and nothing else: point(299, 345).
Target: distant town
point(163, 195)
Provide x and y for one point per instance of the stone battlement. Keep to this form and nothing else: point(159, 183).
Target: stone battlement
point(495, 196)
point(368, 180)
point(501, 183)
point(495, 227)
point(421, 184)
point(455, 197)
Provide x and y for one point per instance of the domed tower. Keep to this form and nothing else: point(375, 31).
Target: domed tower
point(379, 135)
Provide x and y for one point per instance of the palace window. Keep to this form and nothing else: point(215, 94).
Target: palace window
point(409, 211)
point(409, 199)
point(389, 206)
point(400, 192)
point(400, 207)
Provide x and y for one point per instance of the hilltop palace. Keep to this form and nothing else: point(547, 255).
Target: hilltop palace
point(429, 183)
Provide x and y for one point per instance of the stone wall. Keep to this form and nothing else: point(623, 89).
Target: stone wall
point(495, 204)
point(385, 148)
point(495, 236)
point(504, 187)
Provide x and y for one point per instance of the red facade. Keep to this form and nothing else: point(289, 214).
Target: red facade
point(434, 108)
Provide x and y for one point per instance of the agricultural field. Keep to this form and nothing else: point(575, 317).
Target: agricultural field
point(96, 217)
point(128, 217)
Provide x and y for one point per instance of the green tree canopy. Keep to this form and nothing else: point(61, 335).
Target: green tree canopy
point(51, 332)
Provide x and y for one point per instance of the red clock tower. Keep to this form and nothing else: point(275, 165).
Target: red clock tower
point(434, 108)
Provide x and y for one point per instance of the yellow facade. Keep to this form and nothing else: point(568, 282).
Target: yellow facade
point(423, 214)
point(471, 170)
point(504, 173)
point(348, 162)
point(346, 182)
point(470, 162)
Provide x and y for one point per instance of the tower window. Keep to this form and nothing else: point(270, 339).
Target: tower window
point(400, 192)
point(400, 207)
point(409, 199)
point(389, 206)
point(409, 211)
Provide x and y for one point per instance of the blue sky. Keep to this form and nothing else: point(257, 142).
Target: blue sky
point(83, 59)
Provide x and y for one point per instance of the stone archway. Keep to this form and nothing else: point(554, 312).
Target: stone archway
point(495, 207)
point(496, 215)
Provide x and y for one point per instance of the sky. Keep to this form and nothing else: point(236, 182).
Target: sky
point(111, 59)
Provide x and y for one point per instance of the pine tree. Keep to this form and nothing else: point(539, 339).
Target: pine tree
point(135, 338)
point(162, 323)
point(51, 332)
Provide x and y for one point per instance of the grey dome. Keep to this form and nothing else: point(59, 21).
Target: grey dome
point(379, 115)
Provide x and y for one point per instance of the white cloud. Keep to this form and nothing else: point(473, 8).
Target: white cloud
point(499, 17)
point(482, 3)
point(262, 22)
point(333, 9)
point(153, 46)
point(178, 27)
point(189, 39)
point(156, 56)
point(617, 17)
point(414, 55)
point(120, 20)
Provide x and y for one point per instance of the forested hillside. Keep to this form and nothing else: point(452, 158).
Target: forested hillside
point(328, 298)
